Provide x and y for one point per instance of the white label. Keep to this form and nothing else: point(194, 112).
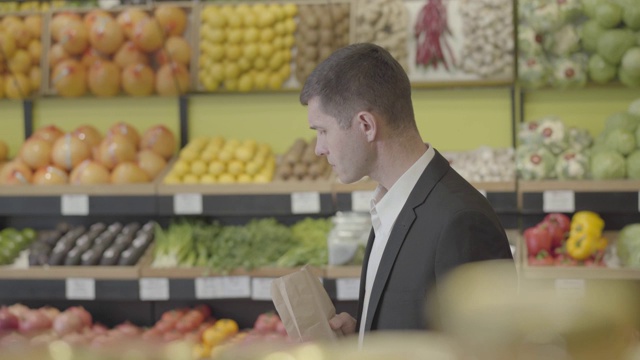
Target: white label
point(187, 204)
point(261, 288)
point(305, 202)
point(570, 287)
point(223, 287)
point(154, 289)
point(483, 192)
point(80, 289)
point(74, 204)
point(559, 201)
point(361, 200)
point(348, 288)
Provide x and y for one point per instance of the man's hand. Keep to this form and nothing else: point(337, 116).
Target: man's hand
point(344, 322)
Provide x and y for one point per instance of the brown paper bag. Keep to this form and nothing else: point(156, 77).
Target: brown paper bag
point(304, 306)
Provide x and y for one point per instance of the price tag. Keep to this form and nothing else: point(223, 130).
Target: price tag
point(483, 192)
point(559, 201)
point(305, 202)
point(80, 289)
point(187, 204)
point(261, 288)
point(74, 204)
point(570, 287)
point(223, 287)
point(348, 288)
point(154, 289)
point(361, 200)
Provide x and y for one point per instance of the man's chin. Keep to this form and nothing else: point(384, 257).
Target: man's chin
point(350, 180)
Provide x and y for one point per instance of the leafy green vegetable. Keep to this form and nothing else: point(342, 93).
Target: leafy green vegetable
point(622, 120)
point(633, 165)
point(621, 140)
point(608, 14)
point(608, 164)
point(631, 62)
point(631, 14)
point(628, 245)
point(601, 71)
point(612, 44)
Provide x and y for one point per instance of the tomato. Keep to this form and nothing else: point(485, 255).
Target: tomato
point(173, 315)
point(540, 260)
point(227, 326)
point(560, 220)
point(165, 325)
point(205, 310)
point(266, 322)
point(213, 336)
point(537, 239)
point(563, 260)
point(172, 335)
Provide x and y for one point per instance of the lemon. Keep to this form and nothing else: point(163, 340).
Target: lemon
point(225, 155)
point(233, 52)
point(290, 26)
point(245, 83)
point(208, 155)
point(276, 61)
point(204, 61)
point(217, 20)
point(267, 35)
point(250, 19)
point(243, 153)
point(251, 35)
point(216, 168)
point(261, 80)
point(290, 9)
point(277, 11)
point(279, 28)
point(215, 52)
point(190, 179)
point(275, 81)
point(231, 84)
point(217, 36)
point(234, 36)
point(266, 19)
point(235, 167)
point(243, 9)
point(172, 179)
point(266, 50)
point(234, 20)
point(285, 71)
point(244, 178)
point(262, 178)
point(207, 179)
point(226, 178)
point(180, 168)
point(227, 10)
point(231, 71)
point(188, 154)
point(250, 51)
point(264, 148)
point(259, 8)
point(210, 83)
point(198, 167)
point(203, 73)
point(260, 63)
point(232, 144)
point(278, 43)
point(217, 71)
point(289, 40)
point(244, 64)
point(252, 167)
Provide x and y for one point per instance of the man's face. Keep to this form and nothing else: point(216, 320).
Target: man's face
point(345, 149)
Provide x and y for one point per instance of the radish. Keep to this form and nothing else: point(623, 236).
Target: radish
point(429, 31)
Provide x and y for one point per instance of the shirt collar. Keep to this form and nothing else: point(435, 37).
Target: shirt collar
point(388, 203)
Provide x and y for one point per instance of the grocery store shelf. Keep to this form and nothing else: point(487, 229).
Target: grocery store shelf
point(582, 272)
point(63, 272)
point(336, 272)
point(191, 273)
point(606, 196)
point(29, 289)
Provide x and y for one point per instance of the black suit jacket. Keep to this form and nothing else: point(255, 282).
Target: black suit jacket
point(445, 222)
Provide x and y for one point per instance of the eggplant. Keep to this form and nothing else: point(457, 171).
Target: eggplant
point(84, 243)
point(130, 256)
point(63, 227)
point(73, 256)
point(124, 239)
point(98, 227)
point(90, 257)
point(106, 238)
point(149, 226)
point(58, 255)
point(38, 258)
point(115, 227)
point(131, 228)
point(141, 241)
point(111, 255)
point(51, 237)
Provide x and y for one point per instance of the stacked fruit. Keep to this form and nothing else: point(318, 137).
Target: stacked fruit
point(12, 242)
point(51, 157)
point(323, 29)
point(40, 5)
point(246, 47)
point(99, 245)
point(20, 52)
point(216, 160)
point(137, 52)
point(300, 162)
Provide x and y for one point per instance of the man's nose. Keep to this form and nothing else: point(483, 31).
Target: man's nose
point(320, 148)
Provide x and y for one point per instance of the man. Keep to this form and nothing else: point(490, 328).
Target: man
point(426, 218)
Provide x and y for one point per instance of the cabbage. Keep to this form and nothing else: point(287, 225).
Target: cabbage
point(569, 10)
point(601, 71)
point(528, 41)
point(628, 245)
point(622, 120)
point(563, 41)
point(633, 165)
point(628, 79)
point(589, 7)
point(620, 140)
point(572, 165)
point(535, 163)
point(612, 44)
point(608, 14)
point(533, 72)
point(608, 164)
point(590, 33)
point(553, 135)
point(569, 73)
point(631, 14)
point(579, 139)
point(631, 62)
point(544, 16)
point(634, 108)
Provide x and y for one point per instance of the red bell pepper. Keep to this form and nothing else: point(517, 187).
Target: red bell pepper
point(537, 239)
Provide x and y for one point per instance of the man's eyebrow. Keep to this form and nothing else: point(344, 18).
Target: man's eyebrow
point(314, 127)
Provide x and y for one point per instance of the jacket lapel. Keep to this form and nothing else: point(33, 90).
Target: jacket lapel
point(363, 277)
point(436, 169)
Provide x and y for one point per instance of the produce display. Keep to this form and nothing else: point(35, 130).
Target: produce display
point(484, 164)
point(135, 52)
point(348, 238)
point(628, 246)
point(259, 243)
point(384, 23)
point(246, 47)
point(219, 161)
point(564, 44)
point(13, 241)
point(561, 241)
point(322, 29)
point(42, 5)
point(300, 163)
point(100, 244)
point(20, 55)
point(549, 150)
point(83, 156)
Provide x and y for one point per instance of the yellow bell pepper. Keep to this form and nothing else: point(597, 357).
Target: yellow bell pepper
point(586, 223)
point(602, 243)
point(580, 247)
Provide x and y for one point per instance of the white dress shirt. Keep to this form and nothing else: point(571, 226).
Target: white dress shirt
point(385, 207)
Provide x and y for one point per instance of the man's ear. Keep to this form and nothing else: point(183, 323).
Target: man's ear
point(367, 123)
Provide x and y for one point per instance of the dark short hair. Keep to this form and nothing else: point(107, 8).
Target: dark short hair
point(361, 77)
